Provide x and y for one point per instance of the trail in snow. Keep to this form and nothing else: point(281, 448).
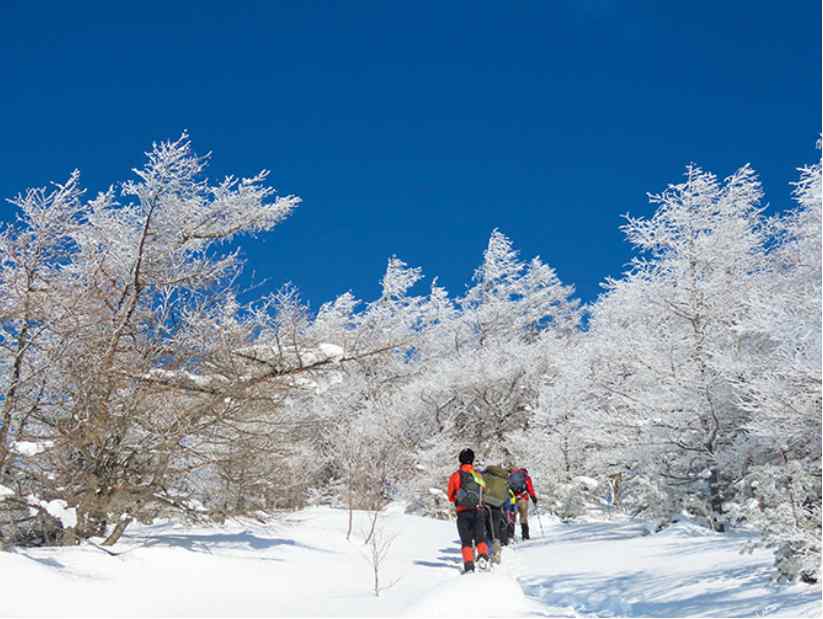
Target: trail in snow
point(303, 566)
point(492, 594)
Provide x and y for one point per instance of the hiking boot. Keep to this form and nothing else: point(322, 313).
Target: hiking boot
point(524, 529)
point(468, 566)
point(483, 562)
point(497, 552)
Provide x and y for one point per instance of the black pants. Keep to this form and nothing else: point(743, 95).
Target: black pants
point(497, 525)
point(471, 527)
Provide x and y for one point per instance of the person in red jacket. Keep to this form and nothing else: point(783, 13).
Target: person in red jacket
point(521, 484)
point(466, 492)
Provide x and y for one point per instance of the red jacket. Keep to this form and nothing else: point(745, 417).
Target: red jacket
point(454, 485)
point(529, 488)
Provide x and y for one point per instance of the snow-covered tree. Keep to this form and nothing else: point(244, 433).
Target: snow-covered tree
point(513, 299)
point(121, 282)
point(779, 384)
point(667, 333)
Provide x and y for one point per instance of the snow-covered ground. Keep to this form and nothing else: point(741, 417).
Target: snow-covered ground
point(303, 565)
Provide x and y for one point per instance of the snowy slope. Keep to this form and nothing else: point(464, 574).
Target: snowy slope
point(614, 569)
point(303, 566)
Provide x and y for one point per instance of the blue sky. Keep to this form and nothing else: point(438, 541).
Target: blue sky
point(416, 128)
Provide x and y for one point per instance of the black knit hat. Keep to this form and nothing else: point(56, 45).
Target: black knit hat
point(466, 456)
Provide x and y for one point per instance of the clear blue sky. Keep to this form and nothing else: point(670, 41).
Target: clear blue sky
point(415, 128)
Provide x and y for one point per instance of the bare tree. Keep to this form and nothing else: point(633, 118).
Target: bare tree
point(379, 543)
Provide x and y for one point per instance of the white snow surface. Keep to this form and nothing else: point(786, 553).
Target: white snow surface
point(588, 482)
point(302, 565)
point(331, 351)
point(57, 508)
point(60, 510)
point(299, 356)
point(28, 448)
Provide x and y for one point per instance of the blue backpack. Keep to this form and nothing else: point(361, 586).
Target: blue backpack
point(517, 480)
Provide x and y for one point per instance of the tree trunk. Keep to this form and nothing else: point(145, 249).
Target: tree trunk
point(376, 579)
point(69, 537)
point(111, 540)
point(615, 480)
point(351, 508)
point(373, 525)
point(716, 501)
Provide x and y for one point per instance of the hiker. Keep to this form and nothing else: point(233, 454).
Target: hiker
point(521, 484)
point(497, 495)
point(466, 492)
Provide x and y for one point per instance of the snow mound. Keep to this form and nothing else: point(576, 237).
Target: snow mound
point(57, 508)
point(27, 448)
point(4, 492)
point(482, 594)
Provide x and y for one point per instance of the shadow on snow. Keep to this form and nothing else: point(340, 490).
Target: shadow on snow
point(567, 533)
point(450, 558)
point(208, 542)
point(629, 594)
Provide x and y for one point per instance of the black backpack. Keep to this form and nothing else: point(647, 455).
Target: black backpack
point(470, 493)
point(517, 481)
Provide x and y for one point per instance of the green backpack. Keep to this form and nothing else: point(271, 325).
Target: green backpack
point(497, 485)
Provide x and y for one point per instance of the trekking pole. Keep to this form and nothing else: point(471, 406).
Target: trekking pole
point(540, 522)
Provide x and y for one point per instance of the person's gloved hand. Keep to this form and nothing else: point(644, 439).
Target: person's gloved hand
point(534, 500)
